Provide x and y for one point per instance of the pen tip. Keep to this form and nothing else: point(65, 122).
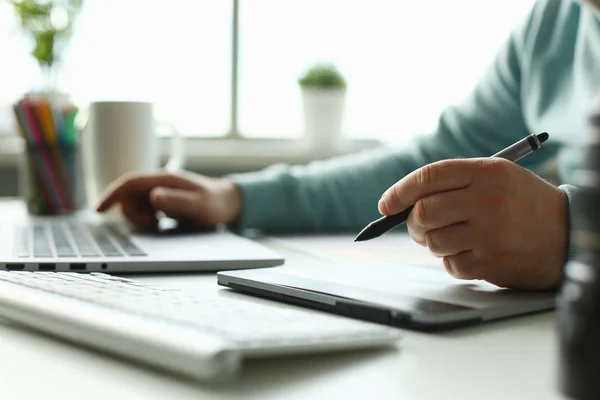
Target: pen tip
point(362, 237)
point(542, 137)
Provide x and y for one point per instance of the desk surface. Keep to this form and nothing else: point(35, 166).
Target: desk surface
point(512, 359)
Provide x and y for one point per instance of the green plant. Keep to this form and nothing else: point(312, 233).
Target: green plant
point(49, 23)
point(322, 76)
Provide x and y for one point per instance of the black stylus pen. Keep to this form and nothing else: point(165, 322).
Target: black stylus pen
point(514, 152)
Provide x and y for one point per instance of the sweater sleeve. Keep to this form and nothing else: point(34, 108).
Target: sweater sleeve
point(342, 193)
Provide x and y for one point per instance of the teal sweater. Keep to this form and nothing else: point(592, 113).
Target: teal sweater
point(543, 79)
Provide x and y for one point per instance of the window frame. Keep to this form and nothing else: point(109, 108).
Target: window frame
point(231, 152)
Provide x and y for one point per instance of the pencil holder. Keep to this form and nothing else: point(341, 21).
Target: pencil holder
point(51, 178)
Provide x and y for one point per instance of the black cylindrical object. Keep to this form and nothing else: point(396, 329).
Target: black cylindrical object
point(579, 299)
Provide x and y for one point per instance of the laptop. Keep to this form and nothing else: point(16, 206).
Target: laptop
point(88, 242)
point(201, 336)
point(422, 298)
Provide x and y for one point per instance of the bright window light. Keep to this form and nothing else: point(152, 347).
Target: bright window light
point(404, 61)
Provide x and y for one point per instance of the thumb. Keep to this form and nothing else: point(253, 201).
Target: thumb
point(390, 203)
point(176, 203)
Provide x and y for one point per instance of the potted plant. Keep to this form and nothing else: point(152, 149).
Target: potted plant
point(323, 99)
point(48, 24)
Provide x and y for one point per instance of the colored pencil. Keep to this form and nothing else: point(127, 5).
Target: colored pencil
point(47, 121)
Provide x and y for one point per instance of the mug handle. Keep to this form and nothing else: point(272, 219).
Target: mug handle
point(177, 156)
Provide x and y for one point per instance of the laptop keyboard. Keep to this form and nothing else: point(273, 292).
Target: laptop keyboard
point(72, 240)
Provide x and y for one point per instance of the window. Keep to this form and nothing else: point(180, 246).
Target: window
point(404, 60)
point(175, 53)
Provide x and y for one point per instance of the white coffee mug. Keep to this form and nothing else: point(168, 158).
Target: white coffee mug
point(120, 138)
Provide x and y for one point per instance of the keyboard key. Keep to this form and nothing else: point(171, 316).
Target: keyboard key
point(41, 245)
point(22, 243)
point(128, 247)
point(83, 241)
point(104, 243)
point(61, 244)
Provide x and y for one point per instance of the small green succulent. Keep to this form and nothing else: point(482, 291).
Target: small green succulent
point(49, 23)
point(322, 76)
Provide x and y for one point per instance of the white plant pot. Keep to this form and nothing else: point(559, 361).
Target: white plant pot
point(324, 119)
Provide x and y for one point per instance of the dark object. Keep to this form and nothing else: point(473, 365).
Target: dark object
point(382, 225)
point(579, 299)
point(542, 137)
point(512, 153)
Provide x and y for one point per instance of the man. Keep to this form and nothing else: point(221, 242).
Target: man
point(487, 218)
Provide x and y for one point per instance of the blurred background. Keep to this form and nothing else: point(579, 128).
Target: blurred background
point(239, 101)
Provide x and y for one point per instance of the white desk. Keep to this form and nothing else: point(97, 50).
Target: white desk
point(514, 359)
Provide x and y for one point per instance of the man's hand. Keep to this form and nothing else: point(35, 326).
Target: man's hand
point(186, 197)
point(488, 219)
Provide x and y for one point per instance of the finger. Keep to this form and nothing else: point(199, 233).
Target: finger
point(175, 203)
point(417, 236)
point(440, 176)
point(450, 240)
point(132, 185)
point(141, 216)
point(439, 210)
point(463, 265)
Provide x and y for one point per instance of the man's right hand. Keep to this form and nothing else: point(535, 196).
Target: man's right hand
point(187, 197)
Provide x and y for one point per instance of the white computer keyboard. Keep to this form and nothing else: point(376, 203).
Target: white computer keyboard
point(243, 327)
